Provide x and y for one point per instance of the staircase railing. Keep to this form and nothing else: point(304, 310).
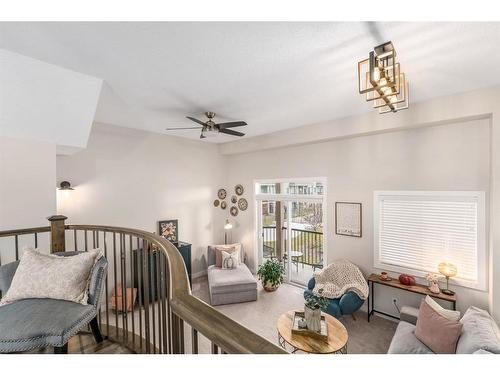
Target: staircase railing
point(148, 305)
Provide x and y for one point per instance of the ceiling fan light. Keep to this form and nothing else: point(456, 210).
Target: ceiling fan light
point(208, 132)
point(210, 128)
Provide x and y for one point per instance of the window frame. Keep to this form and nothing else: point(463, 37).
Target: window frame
point(482, 247)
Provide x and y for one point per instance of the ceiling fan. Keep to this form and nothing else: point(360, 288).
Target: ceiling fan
point(210, 128)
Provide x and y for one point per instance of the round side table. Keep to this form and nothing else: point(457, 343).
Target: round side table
point(337, 336)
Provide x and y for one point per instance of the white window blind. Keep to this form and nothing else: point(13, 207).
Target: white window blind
point(415, 231)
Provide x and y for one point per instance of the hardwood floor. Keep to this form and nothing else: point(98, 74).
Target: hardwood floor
point(84, 343)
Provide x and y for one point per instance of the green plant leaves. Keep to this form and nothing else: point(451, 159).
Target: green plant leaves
point(271, 271)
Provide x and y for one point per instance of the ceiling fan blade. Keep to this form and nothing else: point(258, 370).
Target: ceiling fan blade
point(196, 120)
point(231, 132)
point(183, 128)
point(233, 124)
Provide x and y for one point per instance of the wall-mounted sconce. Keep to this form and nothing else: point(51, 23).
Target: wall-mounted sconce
point(65, 185)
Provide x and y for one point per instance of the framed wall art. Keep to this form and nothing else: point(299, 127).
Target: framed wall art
point(169, 229)
point(348, 219)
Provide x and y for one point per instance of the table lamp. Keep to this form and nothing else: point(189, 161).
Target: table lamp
point(227, 227)
point(448, 270)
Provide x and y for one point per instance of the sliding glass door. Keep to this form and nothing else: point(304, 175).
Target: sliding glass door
point(290, 227)
point(272, 216)
point(306, 244)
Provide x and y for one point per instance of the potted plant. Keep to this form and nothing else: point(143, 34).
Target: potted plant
point(312, 310)
point(271, 274)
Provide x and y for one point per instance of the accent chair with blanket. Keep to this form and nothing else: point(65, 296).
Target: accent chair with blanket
point(343, 283)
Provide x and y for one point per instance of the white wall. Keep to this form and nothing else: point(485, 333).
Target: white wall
point(446, 157)
point(27, 182)
point(134, 178)
point(27, 190)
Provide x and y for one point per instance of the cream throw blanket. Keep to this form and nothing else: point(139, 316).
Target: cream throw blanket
point(340, 277)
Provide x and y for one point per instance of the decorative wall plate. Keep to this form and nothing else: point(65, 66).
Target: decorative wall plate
point(222, 194)
point(234, 210)
point(242, 204)
point(223, 205)
point(216, 203)
point(239, 189)
point(234, 199)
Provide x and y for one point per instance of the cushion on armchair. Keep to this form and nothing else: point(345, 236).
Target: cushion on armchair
point(41, 275)
point(34, 323)
point(38, 322)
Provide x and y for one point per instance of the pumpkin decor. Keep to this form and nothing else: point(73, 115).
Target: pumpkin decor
point(407, 279)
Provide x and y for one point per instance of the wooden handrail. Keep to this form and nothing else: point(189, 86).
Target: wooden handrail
point(226, 333)
point(20, 232)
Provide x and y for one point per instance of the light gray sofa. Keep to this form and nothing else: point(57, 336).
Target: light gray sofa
point(37, 323)
point(480, 334)
point(230, 285)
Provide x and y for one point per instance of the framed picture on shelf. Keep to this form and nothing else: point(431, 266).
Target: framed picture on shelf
point(169, 229)
point(348, 219)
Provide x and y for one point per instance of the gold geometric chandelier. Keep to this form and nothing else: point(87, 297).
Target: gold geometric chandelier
point(381, 79)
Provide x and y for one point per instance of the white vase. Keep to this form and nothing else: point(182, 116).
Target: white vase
point(313, 319)
point(434, 287)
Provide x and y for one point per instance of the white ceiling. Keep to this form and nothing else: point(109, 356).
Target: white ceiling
point(274, 76)
point(45, 102)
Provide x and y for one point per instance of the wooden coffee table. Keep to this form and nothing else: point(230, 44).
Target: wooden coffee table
point(337, 337)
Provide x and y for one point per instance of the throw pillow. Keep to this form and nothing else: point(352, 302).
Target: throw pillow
point(480, 332)
point(448, 314)
point(437, 332)
point(230, 260)
point(51, 276)
point(228, 249)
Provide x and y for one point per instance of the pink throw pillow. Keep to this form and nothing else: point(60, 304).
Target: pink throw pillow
point(218, 253)
point(438, 333)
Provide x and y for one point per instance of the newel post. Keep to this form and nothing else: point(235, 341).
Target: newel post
point(57, 233)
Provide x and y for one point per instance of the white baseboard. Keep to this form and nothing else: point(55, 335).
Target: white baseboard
point(199, 274)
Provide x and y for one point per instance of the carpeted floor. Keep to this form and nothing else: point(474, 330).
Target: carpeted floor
point(260, 316)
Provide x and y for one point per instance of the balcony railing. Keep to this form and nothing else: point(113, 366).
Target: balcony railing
point(164, 304)
point(307, 242)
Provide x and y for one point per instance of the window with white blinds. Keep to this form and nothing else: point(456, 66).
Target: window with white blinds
point(416, 230)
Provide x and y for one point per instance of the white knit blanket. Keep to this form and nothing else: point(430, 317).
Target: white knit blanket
point(338, 278)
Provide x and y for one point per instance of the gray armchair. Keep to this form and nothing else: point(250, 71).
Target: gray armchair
point(37, 323)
